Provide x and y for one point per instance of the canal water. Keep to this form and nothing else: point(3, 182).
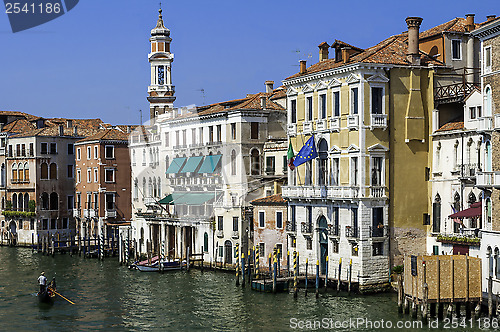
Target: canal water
point(111, 297)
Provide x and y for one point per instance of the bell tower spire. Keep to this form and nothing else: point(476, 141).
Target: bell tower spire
point(161, 90)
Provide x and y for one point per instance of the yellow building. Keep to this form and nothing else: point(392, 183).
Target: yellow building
point(365, 197)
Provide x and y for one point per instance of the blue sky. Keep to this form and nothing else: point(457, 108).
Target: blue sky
point(92, 61)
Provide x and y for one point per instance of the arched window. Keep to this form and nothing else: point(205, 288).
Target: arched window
point(455, 155)
point(45, 201)
point(44, 171)
point(233, 162)
point(53, 171)
point(143, 187)
point(489, 255)
point(472, 198)
point(323, 162)
point(166, 163)
point(488, 210)
point(14, 202)
point(2, 175)
point(136, 189)
point(478, 153)
point(20, 202)
point(497, 263)
point(155, 192)
point(205, 242)
point(133, 157)
point(255, 162)
point(150, 188)
point(26, 172)
point(487, 102)
point(26, 202)
point(438, 155)
point(14, 172)
point(456, 202)
point(487, 157)
point(436, 214)
point(143, 157)
point(20, 172)
point(54, 201)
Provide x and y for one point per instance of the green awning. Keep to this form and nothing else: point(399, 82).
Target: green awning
point(166, 200)
point(176, 165)
point(192, 164)
point(210, 163)
point(192, 198)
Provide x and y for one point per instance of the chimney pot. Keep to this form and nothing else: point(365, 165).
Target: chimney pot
point(269, 86)
point(490, 18)
point(469, 25)
point(345, 54)
point(323, 51)
point(413, 24)
point(263, 102)
point(303, 66)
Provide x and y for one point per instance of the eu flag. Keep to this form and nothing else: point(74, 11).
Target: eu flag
point(307, 152)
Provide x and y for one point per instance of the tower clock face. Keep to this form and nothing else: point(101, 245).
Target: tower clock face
point(161, 75)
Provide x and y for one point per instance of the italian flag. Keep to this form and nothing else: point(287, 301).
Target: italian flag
point(290, 155)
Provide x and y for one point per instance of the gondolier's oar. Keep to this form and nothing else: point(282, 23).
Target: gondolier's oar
point(61, 295)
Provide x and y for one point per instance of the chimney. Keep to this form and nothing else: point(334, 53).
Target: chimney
point(490, 18)
point(269, 86)
point(413, 31)
point(469, 23)
point(303, 66)
point(75, 130)
point(61, 130)
point(345, 54)
point(323, 51)
point(263, 102)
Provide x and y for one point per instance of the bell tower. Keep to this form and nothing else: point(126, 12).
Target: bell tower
point(160, 91)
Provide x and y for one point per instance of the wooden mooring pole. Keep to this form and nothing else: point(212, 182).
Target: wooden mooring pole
point(340, 271)
point(307, 267)
point(400, 293)
point(326, 274)
point(295, 274)
point(237, 264)
point(317, 278)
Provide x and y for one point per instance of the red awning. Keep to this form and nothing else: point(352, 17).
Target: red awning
point(472, 212)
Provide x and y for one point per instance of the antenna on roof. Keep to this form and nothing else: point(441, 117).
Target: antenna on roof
point(203, 94)
point(140, 111)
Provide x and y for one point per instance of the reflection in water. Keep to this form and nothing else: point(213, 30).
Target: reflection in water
point(109, 296)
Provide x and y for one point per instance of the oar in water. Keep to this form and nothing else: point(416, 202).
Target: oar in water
point(61, 296)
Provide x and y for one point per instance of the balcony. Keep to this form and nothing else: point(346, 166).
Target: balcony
point(485, 124)
point(379, 231)
point(307, 127)
point(333, 230)
point(353, 121)
point(335, 124)
point(322, 125)
point(351, 232)
point(89, 213)
point(291, 227)
point(292, 129)
point(219, 233)
point(320, 192)
point(485, 180)
point(379, 121)
point(306, 229)
point(497, 121)
point(377, 191)
point(110, 214)
point(235, 235)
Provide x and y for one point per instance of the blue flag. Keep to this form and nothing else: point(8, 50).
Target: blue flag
point(307, 152)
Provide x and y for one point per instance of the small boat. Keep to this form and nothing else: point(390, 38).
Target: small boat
point(172, 265)
point(48, 295)
point(267, 285)
point(148, 268)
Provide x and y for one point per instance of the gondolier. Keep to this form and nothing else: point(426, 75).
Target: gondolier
point(42, 280)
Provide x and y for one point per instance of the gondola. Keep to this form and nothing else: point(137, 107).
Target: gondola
point(48, 295)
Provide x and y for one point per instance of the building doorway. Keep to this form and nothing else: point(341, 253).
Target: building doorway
point(228, 252)
point(323, 243)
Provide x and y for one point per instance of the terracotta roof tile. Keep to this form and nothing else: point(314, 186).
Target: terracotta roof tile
point(107, 134)
point(452, 126)
point(18, 126)
point(270, 200)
